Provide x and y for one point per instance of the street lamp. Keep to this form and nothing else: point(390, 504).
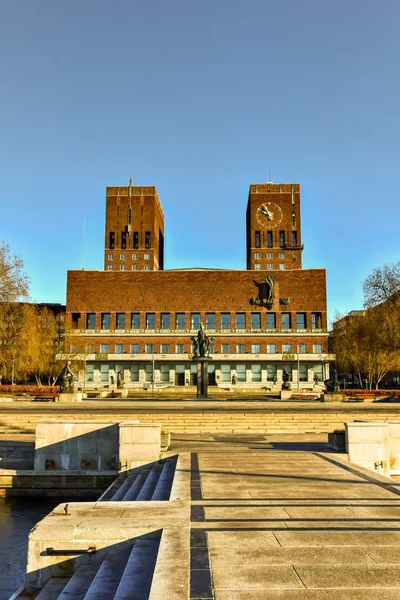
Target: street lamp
point(298, 368)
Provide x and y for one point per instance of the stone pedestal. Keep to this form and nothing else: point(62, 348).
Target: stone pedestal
point(68, 397)
point(202, 377)
point(333, 397)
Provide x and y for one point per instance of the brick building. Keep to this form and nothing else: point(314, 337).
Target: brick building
point(137, 318)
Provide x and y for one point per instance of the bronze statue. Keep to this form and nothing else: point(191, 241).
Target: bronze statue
point(201, 343)
point(269, 280)
point(67, 379)
point(120, 379)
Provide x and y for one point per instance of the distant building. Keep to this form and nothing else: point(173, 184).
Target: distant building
point(138, 318)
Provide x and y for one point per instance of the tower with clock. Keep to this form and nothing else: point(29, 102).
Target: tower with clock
point(273, 236)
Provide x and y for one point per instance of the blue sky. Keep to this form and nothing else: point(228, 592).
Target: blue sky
point(201, 100)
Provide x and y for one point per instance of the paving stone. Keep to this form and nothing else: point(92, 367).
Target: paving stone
point(255, 577)
point(345, 576)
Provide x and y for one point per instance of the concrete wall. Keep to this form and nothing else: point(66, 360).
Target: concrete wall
point(95, 445)
point(367, 444)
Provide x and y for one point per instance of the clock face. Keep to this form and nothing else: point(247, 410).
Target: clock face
point(269, 215)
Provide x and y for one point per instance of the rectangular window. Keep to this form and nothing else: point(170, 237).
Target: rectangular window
point(240, 348)
point(112, 240)
point(271, 320)
point(269, 239)
point(317, 348)
point(180, 321)
point(240, 372)
point(271, 348)
point(195, 320)
point(90, 320)
point(89, 375)
point(135, 320)
point(294, 239)
point(258, 239)
point(301, 320)
point(150, 320)
point(281, 239)
point(282, 254)
point(89, 349)
point(134, 256)
point(147, 239)
point(164, 349)
point(134, 372)
point(318, 373)
point(270, 255)
point(123, 240)
point(73, 348)
point(121, 320)
point(303, 372)
point(134, 267)
point(104, 372)
point(225, 348)
point(256, 372)
point(270, 267)
point(122, 256)
point(164, 372)
point(257, 255)
point(119, 348)
point(240, 320)
point(226, 373)
point(104, 348)
point(110, 267)
point(302, 348)
point(257, 267)
point(212, 351)
point(105, 320)
point(165, 321)
point(316, 320)
point(148, 372)
point(180, 348)
point(147, 267)
point(255, 320)
point(147, 257)
point(286, 348)
point(271, 372)
point(225, 320)
point(282, 267)
point(255, 348)
point(149, 348)
point(210, 320)
point(134, 348)
point(111, 257)
point(136, 239)
point(286, 321)
point(122, 267)
point(288, 368)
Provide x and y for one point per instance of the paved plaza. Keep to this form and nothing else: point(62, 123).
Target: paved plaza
point(282, 517)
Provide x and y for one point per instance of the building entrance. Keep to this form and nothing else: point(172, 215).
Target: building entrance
point(180, 375)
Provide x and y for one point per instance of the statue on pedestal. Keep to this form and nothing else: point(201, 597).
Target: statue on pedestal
point(67, 380)
point(201, 343)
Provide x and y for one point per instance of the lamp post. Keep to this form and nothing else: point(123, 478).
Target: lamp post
point(298, 368)
point(152, 376)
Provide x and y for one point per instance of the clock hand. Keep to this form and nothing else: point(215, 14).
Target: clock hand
point(267, 212)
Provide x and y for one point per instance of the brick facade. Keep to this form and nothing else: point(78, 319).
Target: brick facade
point(141, 322)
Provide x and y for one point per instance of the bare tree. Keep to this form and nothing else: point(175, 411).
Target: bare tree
point(382, 284)
point(14, 282)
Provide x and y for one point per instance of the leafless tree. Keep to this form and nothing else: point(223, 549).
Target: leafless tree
point(14, 282)
point(383, 284)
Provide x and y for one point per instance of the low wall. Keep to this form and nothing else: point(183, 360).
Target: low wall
point(374, 445)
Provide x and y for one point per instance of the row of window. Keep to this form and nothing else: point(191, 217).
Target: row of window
point(180, 348)
point(270, 255)
point(242, 372)
point(270, 267)
point(134, 267)
point(283, 239)
point(125, 238)
point(123, 256)
point(178, 321)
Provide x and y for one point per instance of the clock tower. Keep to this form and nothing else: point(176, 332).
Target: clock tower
point(273, 227)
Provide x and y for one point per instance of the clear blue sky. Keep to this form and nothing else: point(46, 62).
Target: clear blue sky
point(200, 99)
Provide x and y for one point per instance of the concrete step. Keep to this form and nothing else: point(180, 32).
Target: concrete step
point(137, 578)
point(53, 588)
point(108, 577)
point(137, 485)
point(79, 583)
point(149, 486)
point(162, 490)
point(121, 491)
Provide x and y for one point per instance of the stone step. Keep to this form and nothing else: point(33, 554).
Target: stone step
point(79, 583)
point(53, 588)
point(149, 486)
point(136, 486)
point(137, 578)
point(121, 491)
point(108, 577)
point(162, 490)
